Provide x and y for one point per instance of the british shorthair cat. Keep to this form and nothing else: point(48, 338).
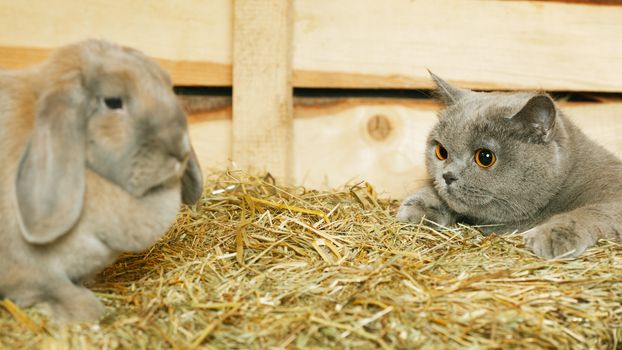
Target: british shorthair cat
point(513, 161)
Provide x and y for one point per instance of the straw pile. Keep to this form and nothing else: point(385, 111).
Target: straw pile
point(257, 266)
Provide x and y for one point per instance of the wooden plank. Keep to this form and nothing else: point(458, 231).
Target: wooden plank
point(188, 30)
point(477, 44)
point(262, 88)
point(588, 2)
point(350, 144)
point(349, 43)
point(600, 121)
point(377, 140)
point(383, 143)
point(191, 38)
point(211, 140)
point(184, 73)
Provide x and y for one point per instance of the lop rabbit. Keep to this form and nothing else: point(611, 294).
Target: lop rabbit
point(96, 160)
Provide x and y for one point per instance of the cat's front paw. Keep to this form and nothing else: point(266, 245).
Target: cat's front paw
point(424, 203)
point(555, 240)
point(410, 211)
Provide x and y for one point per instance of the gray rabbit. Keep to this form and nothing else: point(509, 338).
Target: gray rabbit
point(96, 160)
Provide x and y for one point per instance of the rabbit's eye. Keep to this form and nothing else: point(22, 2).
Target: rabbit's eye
point(113, 102)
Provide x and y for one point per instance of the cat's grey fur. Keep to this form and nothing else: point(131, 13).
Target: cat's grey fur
point(549, 178)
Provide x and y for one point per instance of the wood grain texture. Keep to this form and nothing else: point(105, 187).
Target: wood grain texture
point(188, 30)
point(334, 144)
point(336, 148)
point(211, 140)
point(184, 73)
point(262, 87)
point(348, 43)
point(477, 44)
point(190, 38)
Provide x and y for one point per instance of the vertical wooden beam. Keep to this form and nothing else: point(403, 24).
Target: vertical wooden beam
point(262, 88)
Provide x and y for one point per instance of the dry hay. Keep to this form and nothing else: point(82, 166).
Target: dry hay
point(256, 266)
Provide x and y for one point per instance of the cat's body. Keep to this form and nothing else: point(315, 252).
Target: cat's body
point(537, 171)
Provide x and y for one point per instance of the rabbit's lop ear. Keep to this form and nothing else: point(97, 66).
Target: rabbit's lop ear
point(192, 180)
point(50, 179)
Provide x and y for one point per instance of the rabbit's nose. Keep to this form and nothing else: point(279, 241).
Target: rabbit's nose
point(181, 149)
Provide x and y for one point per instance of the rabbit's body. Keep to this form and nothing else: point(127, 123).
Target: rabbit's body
point(100, 235)
point(124, 204)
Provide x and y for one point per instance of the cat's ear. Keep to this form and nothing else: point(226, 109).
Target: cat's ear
point(447, 93)
point(537, 117)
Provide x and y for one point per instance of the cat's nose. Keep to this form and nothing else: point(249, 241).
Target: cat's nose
point(449, 177)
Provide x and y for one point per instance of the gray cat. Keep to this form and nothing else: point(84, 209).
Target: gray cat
point(515, 162)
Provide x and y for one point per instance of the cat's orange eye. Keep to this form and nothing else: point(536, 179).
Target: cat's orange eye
point(441, 152)
point(485, 158)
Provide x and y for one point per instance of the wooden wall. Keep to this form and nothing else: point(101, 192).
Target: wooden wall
point(377, 140)
point(265, 48)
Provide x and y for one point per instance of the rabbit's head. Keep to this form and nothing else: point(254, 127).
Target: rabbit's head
point(112, 110)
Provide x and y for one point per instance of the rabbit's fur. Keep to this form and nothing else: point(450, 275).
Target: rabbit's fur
point(96, 160)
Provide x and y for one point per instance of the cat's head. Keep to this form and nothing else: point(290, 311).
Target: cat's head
point(495, 157)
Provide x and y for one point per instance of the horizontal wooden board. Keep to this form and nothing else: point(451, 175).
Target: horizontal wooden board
point(190, 38)
point(479, 44)
point(349, 43)
point(187, 30)
point(184, 73)
point(377, 140)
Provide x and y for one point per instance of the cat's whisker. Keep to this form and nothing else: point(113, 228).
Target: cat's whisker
point(514, 207)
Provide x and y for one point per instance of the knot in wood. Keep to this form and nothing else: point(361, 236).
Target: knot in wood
point(379, 127)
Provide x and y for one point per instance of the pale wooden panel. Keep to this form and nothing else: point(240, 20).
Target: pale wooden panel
point(194, 30)
point(349, 43)
point(479, 44)
point(191, 38)
point(262, 90)
point(211, 140)
point(346, 141)
point(187, 73)
point(380, 143)
point(602, 122)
